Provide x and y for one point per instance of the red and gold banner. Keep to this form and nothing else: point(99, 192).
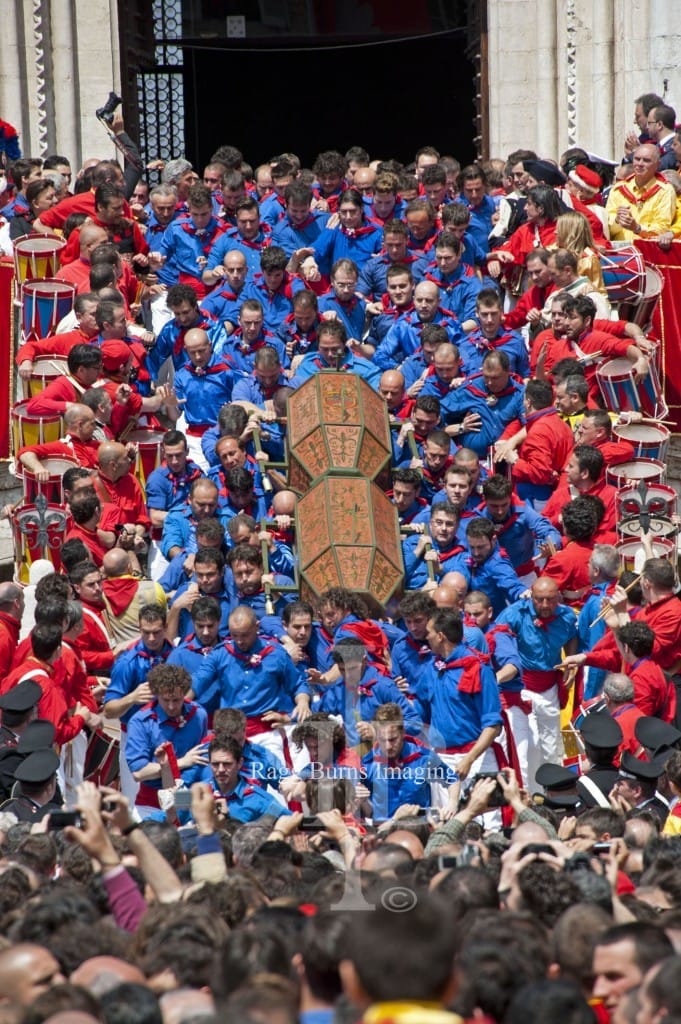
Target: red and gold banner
point(6, 351)
point(667, 322)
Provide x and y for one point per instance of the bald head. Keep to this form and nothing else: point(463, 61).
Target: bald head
point(242, 618)
point(11, 594)
point(116, 563)
point(646, 163)
point(185, 1003)
point(78, 415)
point(25, 972)
point(100, 974)
point(426, 289)
point(545, 597)
point(196, 336)
point(91, 235)
point(454, 581)
point(109, 452)
point(284, 503)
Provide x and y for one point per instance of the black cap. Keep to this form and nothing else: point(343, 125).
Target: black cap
point(656, 735)
point(38, 735)
point(38, 767)
point(555, 777)
point(599, 729)
point(545, 172)
point(644, 771)
point(22, 697)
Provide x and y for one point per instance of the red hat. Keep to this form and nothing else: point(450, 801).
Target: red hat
point(585, 178)
point(115, 355)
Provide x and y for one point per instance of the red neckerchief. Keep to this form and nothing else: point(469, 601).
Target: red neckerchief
point(196, 648)
point(487, 395)
point(178, 344)
point(492, 633)
point(483, 344)
point(207, 371)
point(544, 623)
point(427, 244)
point(609, 589)
point(310, 219)
point(422, 503)
point(624, 190)
point(285, 289)
point(261, 242)
point(443, 388)
point(254, 658)
point(176, 723)
point(369, 229)
point(364, 689)
point(501, 528)
point(333, 197)
point(471, 665)
point(420, 646)
point(205, 236)
point(327, 366)
point(243, 347)
point(404, 409)
point(119, 592)
point(396, 762)
point(437, 477)
point(444, 555)
point(347, 307)
point(390, 310)
point(183, 479)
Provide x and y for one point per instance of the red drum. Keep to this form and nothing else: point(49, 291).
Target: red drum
point(624, 274)
point(642, 313)
point(37, 257)
point(621, 392)
point(659, 527)
point(650, 440)
point(625, 473)
point(45, 369)
point(44, 304)
point(149, 451)
point(102, 758)
point(52, 487)
point(661, 500)
point(33, 540)
point(29, 430)
point(630, 549)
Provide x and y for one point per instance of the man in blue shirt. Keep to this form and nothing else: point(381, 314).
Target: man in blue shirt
point(489, 336)
point(489, 401)
point(333, 354)
point(400, 770)
point(490, 570)
point(168, 719)
point(236, 797)
point(203, 384)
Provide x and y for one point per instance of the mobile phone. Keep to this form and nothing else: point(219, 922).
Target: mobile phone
point(311, 825)
point(599, 848)
point(61, 819)
point(109, 805)
point(496, 798)
point(537, 848)
point(446, 863)
point(183, 799)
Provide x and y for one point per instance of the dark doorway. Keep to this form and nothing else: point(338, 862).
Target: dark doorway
point(391, 98)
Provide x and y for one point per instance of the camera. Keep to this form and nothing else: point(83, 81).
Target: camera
point(106, 113)
point(61, 819)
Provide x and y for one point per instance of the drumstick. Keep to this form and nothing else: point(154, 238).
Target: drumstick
point(266, 482)
point(265, 552)
point(429, 565)
point(604, 611)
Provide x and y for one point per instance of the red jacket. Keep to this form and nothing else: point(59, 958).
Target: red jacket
point(547, 446)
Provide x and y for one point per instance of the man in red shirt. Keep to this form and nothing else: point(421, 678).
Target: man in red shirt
point(530, 304)
point(94, 644)
point(84, 307)
point(115, 485)
point(83, 202)
point(548, 444)
point(84, 368)
point(86, 512)
point(109, 213)
point(78, 271)
point(654, 694)
point(583, 475)
point(569, 567)
point(581, 341)
point(80, 423)
point(596, 429)
point(11, 612)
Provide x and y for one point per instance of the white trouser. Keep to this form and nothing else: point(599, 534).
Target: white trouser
point(160, 314)
point(72, 767)
point(273, 740)
point(546, 744)
point(521, 731)
point(193, 445)
point(487, 762)
point(129, 786)
point(157, 563)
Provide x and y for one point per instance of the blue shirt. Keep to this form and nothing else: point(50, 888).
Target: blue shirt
point(291, 238)
point(165, 490)
point(190, 654)
point(185, 249)
point(519, 533)
point(539, 646)
point(248, 802)
point(351, 314)
point(454, 559)
point(458, 291)
point(179, 531)
point(335, 243)
point(262, 679)
point(276, 305)
point(150, 726)
point(170, 342)
point(405, 779)
point(130, 669)
point(475, 346)
point(249, 389)
point(312, 363)
point(497, 578)
point(239, 354)
point(404, 337)
point(361, 704)
point(373, 277)
point(222, 304)
point(496, 412)
point(205, 391)
point(457, 718)
point(232, 240)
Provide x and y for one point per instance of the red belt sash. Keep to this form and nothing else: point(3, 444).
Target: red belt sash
point(539, 681)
